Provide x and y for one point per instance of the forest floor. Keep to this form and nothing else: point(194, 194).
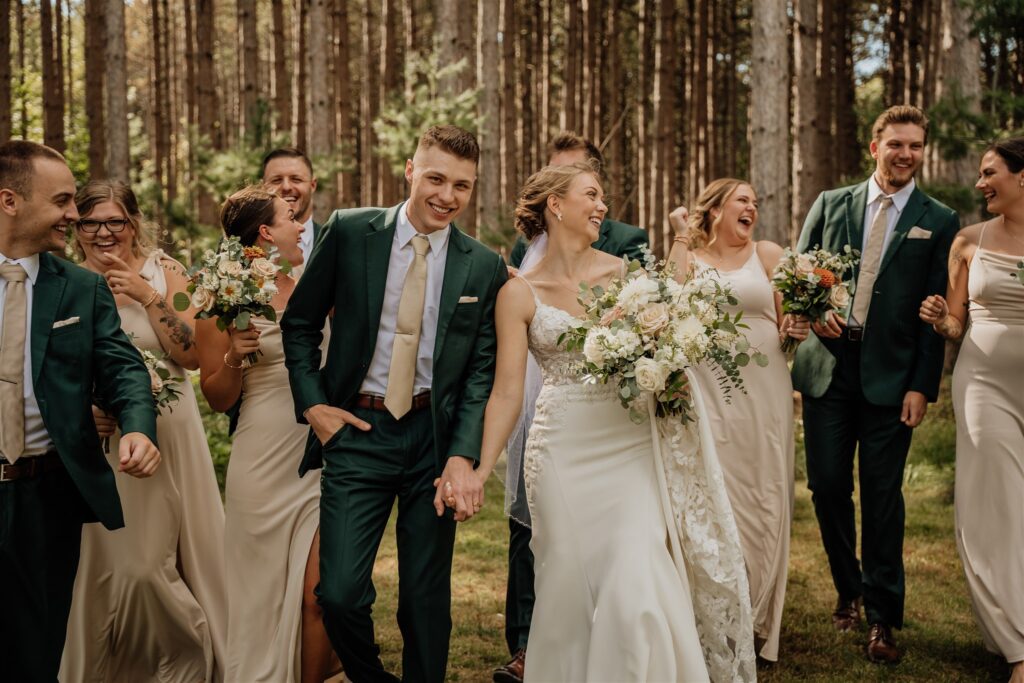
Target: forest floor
point(940, 640)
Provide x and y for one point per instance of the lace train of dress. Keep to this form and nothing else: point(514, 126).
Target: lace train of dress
point(639, 572)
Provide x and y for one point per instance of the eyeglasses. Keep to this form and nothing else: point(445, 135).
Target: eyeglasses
point(113, 225)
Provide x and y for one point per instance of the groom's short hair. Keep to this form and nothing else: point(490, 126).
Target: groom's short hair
point(452, 139)
point(17, 164)
point(898, 114)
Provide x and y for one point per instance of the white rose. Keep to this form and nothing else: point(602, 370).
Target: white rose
point(652, 318)
point(650, 374)
point(840, 296)
point(263, 268)
point(593, 348)
point(637, 292)
point(804, 264)
point(624, 343)
point(230, 267)
point(203, 299)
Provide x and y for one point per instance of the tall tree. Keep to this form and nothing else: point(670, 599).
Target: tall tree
point(206, 97)
point(959, 82)
point(320, 125)
point(19, 22)
point(389, 87)
point(369, 106)
point(282, 83)
point(248, 46)
point(160, 136)
point(509, 102)
point(301, 70)
point(807, 151)
point(845, 144)
point(117, 93)
point(897, 52)
point(769, 120)
point(53, 107)
point(5, 69)
point(343, 93)
point(489, 183)
point(95, 66)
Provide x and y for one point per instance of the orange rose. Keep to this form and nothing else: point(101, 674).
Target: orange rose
point(826, 278)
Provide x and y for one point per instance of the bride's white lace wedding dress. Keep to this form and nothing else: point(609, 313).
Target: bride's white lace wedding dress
point(639, 572)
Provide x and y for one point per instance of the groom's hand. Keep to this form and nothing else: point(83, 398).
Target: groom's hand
point(459, 488)
point(832, 328)
point(915, 405)
point(138, 455)
point(327, 420)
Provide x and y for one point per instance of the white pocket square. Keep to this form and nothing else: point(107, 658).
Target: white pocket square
point(65, 323)
point(468, 299)
point(917, 233)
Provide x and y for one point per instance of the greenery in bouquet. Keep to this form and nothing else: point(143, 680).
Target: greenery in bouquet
point(811, 284)
point(233, 284)
point(1020, 272)
point(645, 329)
point(162, 384)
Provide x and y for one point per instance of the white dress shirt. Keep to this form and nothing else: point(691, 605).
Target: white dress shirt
point(306, 240)
point(899, 201)
point(402, 254)
point(37, 440)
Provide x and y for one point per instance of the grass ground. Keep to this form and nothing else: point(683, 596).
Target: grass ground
point(940, 639)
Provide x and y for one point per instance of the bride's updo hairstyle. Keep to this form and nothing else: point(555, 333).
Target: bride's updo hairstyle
point(533, 198)
point(702, 227)
point(245, 211)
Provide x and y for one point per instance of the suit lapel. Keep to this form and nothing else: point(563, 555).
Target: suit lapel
point(915, 208)
point(378, 255)
point(456, 272)
point(46, 297)
point(856, 203)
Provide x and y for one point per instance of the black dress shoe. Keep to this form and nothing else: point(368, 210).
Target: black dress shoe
point(881, 645)
point(512, 672)
point(846, 616)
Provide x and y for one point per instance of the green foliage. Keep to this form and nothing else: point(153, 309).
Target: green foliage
point(402, 120)
point(961, 198)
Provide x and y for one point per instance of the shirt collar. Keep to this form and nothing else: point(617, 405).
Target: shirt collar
point(899, 199)
point(307, 231)
point(404, 232)
point(29, 263)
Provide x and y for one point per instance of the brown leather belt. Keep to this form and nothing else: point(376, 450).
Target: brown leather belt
point(370, 402)
point(854, 334)
point(30, 466)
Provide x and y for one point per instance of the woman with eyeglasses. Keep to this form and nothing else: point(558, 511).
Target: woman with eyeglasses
point(149, 601)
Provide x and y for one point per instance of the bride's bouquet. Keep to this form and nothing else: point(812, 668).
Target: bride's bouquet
point(645, 329)
point(234, 284)
point(812, 284)
point(1020, 272)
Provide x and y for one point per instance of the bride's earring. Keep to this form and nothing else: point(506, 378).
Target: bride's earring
point(559, 216)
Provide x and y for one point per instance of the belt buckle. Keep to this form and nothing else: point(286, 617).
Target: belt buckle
point(855, 334)
point(3, 471)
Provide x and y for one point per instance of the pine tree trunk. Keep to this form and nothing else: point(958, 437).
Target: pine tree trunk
point(248, 46)
point(206, 98)
point(117, 93)
point(343, 95)
point(58, 59)
point(527, 116)
point(19, 22)
point(53, 111)
point(509, 104)
point(319, 88)
point(846, 145)
point(614, 143)
point(282, 83)
point(369, 107)
point(301, 88)
point(699, 142)
point(824, 171)
point(645, 137)
point(769, 120)
point(489, 176)
point(191, 103)
point(806, 145)
point(959, 78)
point(897, 55)
point(159, 123)
point(5, 69)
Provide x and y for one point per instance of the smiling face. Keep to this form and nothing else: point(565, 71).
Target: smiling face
point(582, 208)
point(737, 215)
point(42, 216)
point(284, 233)
point(998, 184)
point(898, 154)
point(105, 215)
point(293, 181)
point(440, 186)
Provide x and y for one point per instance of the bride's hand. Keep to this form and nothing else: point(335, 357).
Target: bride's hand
point(796, 327)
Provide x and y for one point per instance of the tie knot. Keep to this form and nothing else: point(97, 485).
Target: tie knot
point(885, 202)
point(420, 245)
point(12, 272)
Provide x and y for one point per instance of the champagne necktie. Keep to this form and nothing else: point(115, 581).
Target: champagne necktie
point(12, 363)
point(870, 261)
point(402, 373)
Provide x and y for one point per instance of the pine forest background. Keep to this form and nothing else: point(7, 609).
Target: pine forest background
point(182, 98)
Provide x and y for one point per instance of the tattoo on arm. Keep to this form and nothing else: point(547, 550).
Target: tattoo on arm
point(177, 331)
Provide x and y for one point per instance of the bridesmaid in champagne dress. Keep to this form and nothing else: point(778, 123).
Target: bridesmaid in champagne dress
point(149, 598)
point(275, 632)
point(988, 399)
point(753, 431)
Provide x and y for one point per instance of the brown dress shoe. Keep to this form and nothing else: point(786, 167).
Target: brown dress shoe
point(846, 616)
point(881, 645)
point(512, 672)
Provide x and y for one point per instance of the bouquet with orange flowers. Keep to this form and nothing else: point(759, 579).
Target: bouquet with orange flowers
point(812, 284)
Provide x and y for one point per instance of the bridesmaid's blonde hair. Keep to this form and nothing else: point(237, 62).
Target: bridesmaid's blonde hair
point(99, 191)
point(702, 228)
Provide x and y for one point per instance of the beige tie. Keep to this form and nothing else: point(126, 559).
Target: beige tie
point(402, 373)
point(870, 261)
point(12, 363)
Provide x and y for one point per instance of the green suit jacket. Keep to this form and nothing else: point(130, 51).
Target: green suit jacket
point(615, 238)
point(348, 272)
point(86, 353)
point(899, 353)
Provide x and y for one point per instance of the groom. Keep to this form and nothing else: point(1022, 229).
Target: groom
point(400, 401)
point(866, 380)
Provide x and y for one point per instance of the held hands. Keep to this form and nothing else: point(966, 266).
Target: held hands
point(915, 405)
point(105, 422)
point(327, 421)
point(934, 310)
point(243, 343)
point(123, 279)
point(832, 328)
point(796, 327)
point(138, 456)
point(459, 487)
point(677, 219)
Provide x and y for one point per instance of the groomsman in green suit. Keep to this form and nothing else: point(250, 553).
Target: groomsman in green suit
point(866, 380)
point(618, 239)
point(289, 172)
point(61, 346)
point(398, 408)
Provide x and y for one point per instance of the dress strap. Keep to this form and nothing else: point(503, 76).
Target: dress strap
point(532, 290)
point(981, 237)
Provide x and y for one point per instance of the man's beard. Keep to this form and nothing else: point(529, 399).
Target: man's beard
point(892, 179)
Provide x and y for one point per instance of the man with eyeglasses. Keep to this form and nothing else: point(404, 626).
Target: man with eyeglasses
point(61, 343)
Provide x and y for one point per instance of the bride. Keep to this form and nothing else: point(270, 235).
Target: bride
point(639, 573)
